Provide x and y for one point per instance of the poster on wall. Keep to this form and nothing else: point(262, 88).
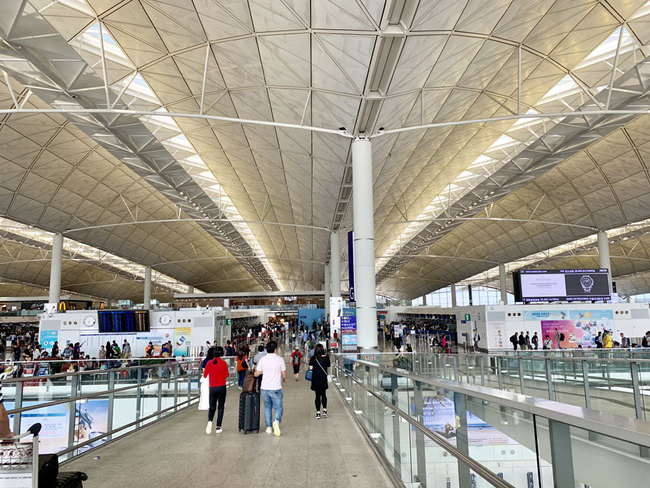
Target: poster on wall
point(91, 422)
point(55, 421)
point(48, 338)
point(157, 337)
point(182, 340)
point(579, 328)
point(439, 416)
point(336, 310)
point(497, 336)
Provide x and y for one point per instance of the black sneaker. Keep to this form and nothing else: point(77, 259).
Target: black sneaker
point(325, 414)
point(317, 416)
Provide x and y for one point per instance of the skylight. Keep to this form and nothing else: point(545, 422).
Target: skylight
point(520, 134)
point(138, 89)
point(92, 253)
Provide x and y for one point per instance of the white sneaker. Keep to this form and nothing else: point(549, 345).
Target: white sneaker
point(8, 371)
point(276, 428)
point(269, 430)
point(208, 428)
point(219, 431)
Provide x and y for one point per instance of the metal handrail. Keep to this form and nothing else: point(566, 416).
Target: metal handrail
point(469, 462)
point(611, 425)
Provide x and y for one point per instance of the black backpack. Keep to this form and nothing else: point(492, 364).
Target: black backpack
point(561, 336)
point(296, 359)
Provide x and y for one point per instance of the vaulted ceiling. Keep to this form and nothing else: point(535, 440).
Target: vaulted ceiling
point(249, 204)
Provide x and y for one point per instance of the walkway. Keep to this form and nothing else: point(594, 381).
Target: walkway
point(177, 452)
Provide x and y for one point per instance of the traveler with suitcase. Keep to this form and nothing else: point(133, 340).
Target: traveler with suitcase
point(275, 372)
point(216, 371)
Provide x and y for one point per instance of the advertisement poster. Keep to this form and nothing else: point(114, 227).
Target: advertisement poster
point(309, 316)
point(439, 416)
point(91, 422)
point(55, 422)
point(157, 337)
point(497, 336)
point(349, 329)
point(336, 310)
point(579, 328)
point(182, 340)
point(48, 338)
point(537, 315)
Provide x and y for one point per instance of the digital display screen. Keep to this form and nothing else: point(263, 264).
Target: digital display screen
point(561, 285)
point(115, 321)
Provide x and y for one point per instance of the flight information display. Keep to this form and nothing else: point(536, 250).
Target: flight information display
point(112, 321)
point(561, 285)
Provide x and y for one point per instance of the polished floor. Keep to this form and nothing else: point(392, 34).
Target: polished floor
point(176, 452)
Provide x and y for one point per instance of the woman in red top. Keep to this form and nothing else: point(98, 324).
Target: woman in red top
point(216, 371)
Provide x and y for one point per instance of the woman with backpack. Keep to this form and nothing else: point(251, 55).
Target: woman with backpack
point(318, 366)
point(296, 359)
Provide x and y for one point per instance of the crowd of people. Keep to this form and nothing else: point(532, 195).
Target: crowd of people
point(270, 370)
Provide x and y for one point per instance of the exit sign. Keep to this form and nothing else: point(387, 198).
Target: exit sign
point(467, 317)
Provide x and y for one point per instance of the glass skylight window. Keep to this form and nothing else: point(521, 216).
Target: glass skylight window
point(80, 250)
point(470, 177)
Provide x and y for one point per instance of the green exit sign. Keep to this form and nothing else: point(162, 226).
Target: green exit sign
point(467, 317)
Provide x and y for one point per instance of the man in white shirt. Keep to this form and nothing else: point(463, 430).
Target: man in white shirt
point(274, 373)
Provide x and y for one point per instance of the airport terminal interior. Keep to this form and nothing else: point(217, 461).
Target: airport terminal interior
point(431, 213)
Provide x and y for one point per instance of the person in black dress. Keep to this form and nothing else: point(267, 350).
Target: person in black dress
point(318, 364)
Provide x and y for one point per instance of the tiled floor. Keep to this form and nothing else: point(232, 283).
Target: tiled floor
point(177, 453)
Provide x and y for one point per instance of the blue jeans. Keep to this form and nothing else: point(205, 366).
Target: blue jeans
point(272, 400)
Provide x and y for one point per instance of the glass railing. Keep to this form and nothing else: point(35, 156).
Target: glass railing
point(441, 433)
point(616, 385)
point(82, 410)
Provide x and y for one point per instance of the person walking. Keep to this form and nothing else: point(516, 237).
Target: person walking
point(476, 338)
point(296, 360)
point(318, 366)
point(242, 366)
point(216, 371)
point(535, 341)
point(261, 352)
point(548, 343)
point(522, 341)
point(274, 370)
point(126, 349)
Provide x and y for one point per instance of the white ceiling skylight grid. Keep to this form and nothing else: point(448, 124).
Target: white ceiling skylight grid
point(76, 248)
point(521, 133)
point(134, 90)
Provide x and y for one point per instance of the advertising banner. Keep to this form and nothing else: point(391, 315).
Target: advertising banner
point(48, 338)
point(580, 327)
point(55, 421)
point(182, 340)
point(91, 422)
point(336, 310)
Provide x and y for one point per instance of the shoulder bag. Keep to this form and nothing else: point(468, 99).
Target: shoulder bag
point(329, 376)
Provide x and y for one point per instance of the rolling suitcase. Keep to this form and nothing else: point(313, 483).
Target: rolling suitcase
point(249, 412)
point(48, 470)
point(71, 479)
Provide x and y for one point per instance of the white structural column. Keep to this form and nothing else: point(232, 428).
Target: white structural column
point(364, 244)
point(424, 300)
point(503, 285)
point(603, 255)
point(327, 290)
point(335, 265)
point(147, 288)
point(453, 295)
point(55, 269)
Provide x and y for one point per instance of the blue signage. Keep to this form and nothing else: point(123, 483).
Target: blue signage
point(349, 328)
point(351, 264)
point(48, 338)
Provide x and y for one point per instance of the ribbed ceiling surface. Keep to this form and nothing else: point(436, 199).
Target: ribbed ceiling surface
point(361, 65)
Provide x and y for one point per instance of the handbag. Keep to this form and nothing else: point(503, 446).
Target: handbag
point(250, 382)
point(204, 396)
point(308, 374)
point(329, 376)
